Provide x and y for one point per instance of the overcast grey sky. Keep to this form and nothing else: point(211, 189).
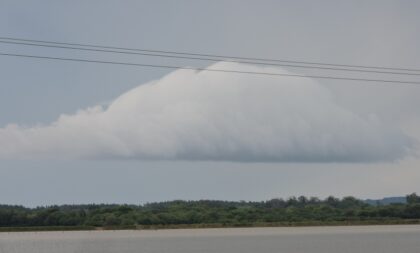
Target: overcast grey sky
point(36, 93)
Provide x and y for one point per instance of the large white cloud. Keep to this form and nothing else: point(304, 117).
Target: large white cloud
point(215, 116)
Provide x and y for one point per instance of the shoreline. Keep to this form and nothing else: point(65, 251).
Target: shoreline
point(208, 226)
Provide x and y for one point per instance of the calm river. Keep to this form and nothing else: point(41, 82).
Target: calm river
point(357, 239)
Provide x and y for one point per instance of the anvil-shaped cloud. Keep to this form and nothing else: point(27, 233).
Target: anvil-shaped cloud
point(190, 115)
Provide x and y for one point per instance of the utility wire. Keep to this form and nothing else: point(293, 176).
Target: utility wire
point(211, 55)
point(205, 69)
point(205, 59)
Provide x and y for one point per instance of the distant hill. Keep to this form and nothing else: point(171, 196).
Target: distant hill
point(386, 201)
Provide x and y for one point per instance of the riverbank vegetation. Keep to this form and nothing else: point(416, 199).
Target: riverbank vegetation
point(300, 211)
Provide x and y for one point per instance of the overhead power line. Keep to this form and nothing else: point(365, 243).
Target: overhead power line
point(204, 59)
point(206, 69)
point(224, 57)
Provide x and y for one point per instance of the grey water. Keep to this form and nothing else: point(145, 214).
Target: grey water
point(354, 239)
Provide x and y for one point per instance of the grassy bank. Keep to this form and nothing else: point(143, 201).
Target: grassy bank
point(196, 226)
point(46, 228)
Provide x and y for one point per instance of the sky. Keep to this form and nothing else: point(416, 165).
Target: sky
point(92, 133)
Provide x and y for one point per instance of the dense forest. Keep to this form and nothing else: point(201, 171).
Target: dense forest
point(292, 211)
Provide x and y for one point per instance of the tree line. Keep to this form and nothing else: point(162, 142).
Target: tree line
point(292, 210)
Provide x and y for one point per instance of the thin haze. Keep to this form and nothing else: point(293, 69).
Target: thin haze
point(366, 133)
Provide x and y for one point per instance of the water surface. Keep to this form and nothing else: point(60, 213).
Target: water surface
point(363, 239)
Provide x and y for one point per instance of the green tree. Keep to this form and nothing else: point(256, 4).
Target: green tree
point(412, 198)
